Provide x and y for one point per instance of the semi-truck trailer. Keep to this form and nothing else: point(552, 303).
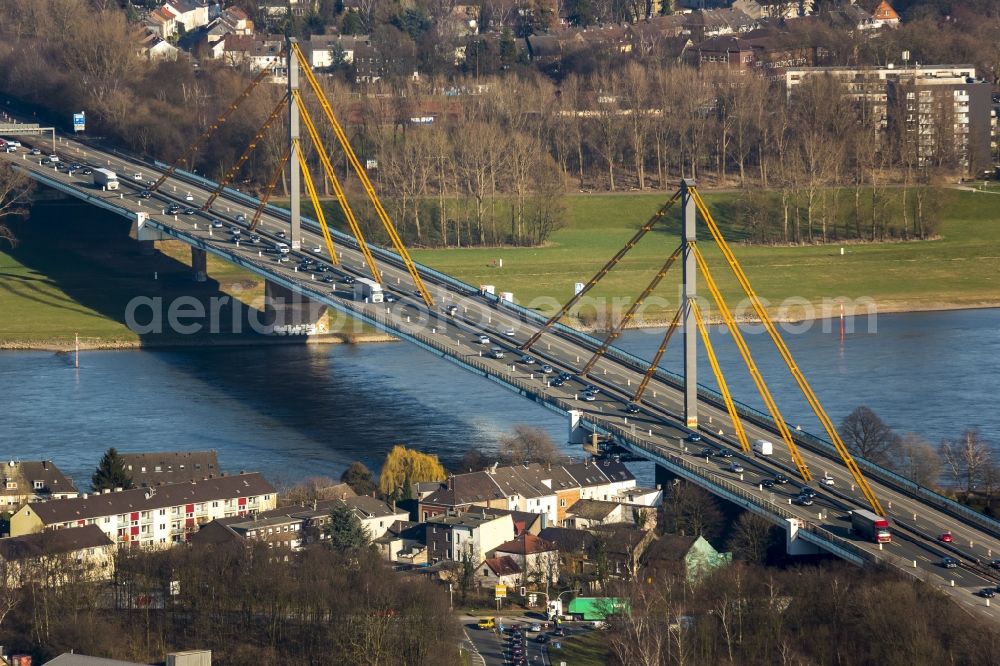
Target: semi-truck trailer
point(871, 527)
point(105, 178)
point(368, 289)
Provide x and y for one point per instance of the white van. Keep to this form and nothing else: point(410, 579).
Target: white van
point(762, 447)
point(282, 248)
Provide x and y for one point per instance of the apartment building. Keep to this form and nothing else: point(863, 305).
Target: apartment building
point(161, 467)
point(472, 534)
point(151, 517)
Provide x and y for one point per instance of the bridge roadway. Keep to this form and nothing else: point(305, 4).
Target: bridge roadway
point(655, 433)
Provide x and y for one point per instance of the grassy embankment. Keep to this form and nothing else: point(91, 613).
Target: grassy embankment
point(588, 649)
point(75, 270)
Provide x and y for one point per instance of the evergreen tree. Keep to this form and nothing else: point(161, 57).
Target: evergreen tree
point(111, 472)
point(345, 531)
point(359, 478)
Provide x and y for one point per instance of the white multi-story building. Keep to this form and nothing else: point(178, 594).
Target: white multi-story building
point(151, 517)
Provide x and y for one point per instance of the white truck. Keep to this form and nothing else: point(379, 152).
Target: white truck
point(105, 179)
point(370, 290)
point(762, 447)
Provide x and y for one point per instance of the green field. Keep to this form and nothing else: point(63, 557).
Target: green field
point(960, 269)
point(75, 269)
point(589, 649)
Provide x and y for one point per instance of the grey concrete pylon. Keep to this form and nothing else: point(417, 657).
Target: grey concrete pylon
point(689, 237)
point(295, 238)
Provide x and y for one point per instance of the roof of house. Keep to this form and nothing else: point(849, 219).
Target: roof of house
point(587, 474)
point(503, 566)
point(463, 489)
point(623, 539)
point(71, 659)
point(470, 519)
point(615, 470)
point(724, 44)
point(402, 529)
point(526, 544)
point(589, 509)
point(26, 472)
point(568, 540)
point(160, 467)
point(885, 12)
point(53, 542)
point(369, 507)
point(144, 499)
point(669, 548)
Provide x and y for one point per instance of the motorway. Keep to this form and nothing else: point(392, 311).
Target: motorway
point(656, 429)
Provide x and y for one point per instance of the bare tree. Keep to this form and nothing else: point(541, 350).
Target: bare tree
point(528, 444)
point(688, 510)
point(15, 195)
point(917, 460)
point(867, 436)
point(752, 535)
point(966, 459)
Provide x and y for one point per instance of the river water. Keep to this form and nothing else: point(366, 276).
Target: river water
point(292, 412)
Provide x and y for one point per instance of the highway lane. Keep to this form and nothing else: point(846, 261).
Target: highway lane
point(565, 354)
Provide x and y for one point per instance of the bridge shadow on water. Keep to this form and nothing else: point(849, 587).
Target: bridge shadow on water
point(275, 399)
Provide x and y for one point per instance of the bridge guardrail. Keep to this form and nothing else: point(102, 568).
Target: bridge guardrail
point(760, 418)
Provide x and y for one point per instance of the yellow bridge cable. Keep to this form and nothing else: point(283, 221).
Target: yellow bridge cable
point(741, 434)
point(238, 164)
point(758, 379)
point(210, 130)
point(643, 230)
point(270, 189)
point(390, 228)
point(338, 190)
point(617, 330)
point(655, 363)
point(786, 355)
point(320, 215)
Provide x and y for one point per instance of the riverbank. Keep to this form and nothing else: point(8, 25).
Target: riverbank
point(75, 271)
point(66, 346)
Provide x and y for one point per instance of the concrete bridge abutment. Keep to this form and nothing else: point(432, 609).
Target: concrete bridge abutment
point(199, 264)
point(288, 312)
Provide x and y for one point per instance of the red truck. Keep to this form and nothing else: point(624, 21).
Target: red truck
point(871, 527)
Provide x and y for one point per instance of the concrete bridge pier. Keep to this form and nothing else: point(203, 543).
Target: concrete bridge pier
point(288, 312)
point(146, 235)
point(663, 477)
point(793, 544)
point(199, 264)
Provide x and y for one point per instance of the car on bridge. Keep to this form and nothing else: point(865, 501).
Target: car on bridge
point(280, 234)
point(145, 194)
point(173, 209)
point(803, 500)
point(995, 564)
point(547, 369)
point(483, 339)
point(987, 593)
point(780, 479)
point(189, 211)
point(725, 453)
point(451, 310)
point(240, 217)
point(558, 382)
point(589, 397)
point(806, 491)
point(216, 223)
point(736, 468)
point(528, 359)
point(707, 452)
point(35, 151)
point(496, 352)
point(693, 437)
point(590, 388)
point(632, 408)
point(949, 562)
point(946, 538)
point(188, 197)
point(767, 483)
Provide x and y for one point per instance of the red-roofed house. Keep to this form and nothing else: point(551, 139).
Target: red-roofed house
point(538, 558)
point(498, 570)
point(885, 15)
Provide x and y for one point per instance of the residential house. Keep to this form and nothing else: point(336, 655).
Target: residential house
point(57, 556)
point(885, 16)
point(33, 481)
point(695, 556)
point(850, 18)
point(332, 50)
point(461, 492)
point(537, 558)
point(648, 497)
point(404, 542)
point(702, 24)
point(152, 47)
point(500, 570)
point(375, 515)
point(162, 22)
point(601, 479)
point(191, 14)
point(726, 52)
point(588, 513)
point(576, 552)
point(624, 548)
point(151, 516)
point(157, 469)
point(472, 534)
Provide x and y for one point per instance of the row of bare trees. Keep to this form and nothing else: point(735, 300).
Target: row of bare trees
point(746, 614)
point(492, 165)
point(246, 604)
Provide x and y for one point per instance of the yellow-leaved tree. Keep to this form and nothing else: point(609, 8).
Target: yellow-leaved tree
point(403, 467)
